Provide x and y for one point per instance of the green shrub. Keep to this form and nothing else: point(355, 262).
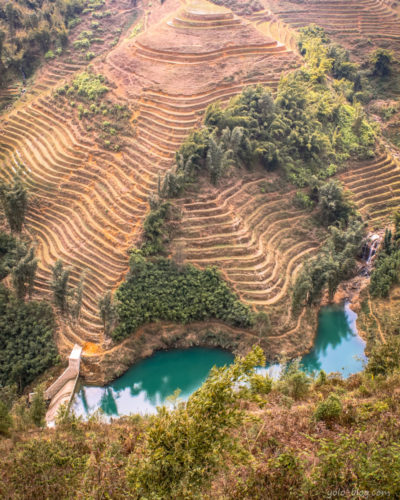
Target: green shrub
point(48, 465)
point(328, 410)
point(384, 358)
point(294, 382)
point(5, 419)
point(37, 410)
point(89, 85)
point(72, 23)
point(260, 384)
point(81, 44)
point(49, 55)
point(303, 200)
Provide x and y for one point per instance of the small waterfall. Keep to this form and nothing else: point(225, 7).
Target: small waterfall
point(368, 251)
point(372, 250)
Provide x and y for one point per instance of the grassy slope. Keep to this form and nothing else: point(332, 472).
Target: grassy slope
point(290, 454)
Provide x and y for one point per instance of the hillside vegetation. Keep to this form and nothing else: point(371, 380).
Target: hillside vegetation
point(204, 169)
point(311, 127)
point(30, 28)
point(240, 435)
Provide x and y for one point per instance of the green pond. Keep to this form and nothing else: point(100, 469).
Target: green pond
point(148, 383)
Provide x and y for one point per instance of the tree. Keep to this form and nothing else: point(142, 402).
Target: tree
point(184, 449)
point(341, 66)
point(107, 311)
point(37, 410)
point(10, 251)
point(333, 205)
point(294, 382)
point(262, 323)
point(2, 68)
point(381, 60)
point(232, 141)
point(5, 419)
point(23, 274)
point(218, 159)
point(312, 31)
point(59, 285)
point(179, 254)
point(75, 300)
point(14, 199)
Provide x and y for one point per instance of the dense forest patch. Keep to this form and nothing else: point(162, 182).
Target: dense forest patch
point(387, 265)
point(27, 347)
point(312, 127)
point(159, 289)
point(29, 29)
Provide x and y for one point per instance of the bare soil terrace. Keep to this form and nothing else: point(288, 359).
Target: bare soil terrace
point(90, 202)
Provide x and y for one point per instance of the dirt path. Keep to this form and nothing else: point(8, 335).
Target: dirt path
point(383, 339)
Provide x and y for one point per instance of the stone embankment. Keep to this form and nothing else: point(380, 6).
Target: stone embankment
point(62, 390)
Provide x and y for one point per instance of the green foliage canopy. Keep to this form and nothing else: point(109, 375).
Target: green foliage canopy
point(335, 262)
point(29, 28)
point(160, 290)
point(26, 339)
point(387, 265)
point(309, 126)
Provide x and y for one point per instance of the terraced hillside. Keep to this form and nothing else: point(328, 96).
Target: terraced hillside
point(256, 236)
point(375, 186)
point(96, 32)
point(8, 95)
point(351, 23)
point(88, 203)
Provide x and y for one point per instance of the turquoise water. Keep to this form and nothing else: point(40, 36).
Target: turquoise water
point(148, 383)
point(338, 347)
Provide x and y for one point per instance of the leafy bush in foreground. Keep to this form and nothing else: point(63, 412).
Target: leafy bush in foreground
point(233, 439)
point(328, 410)
point(160, 290)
